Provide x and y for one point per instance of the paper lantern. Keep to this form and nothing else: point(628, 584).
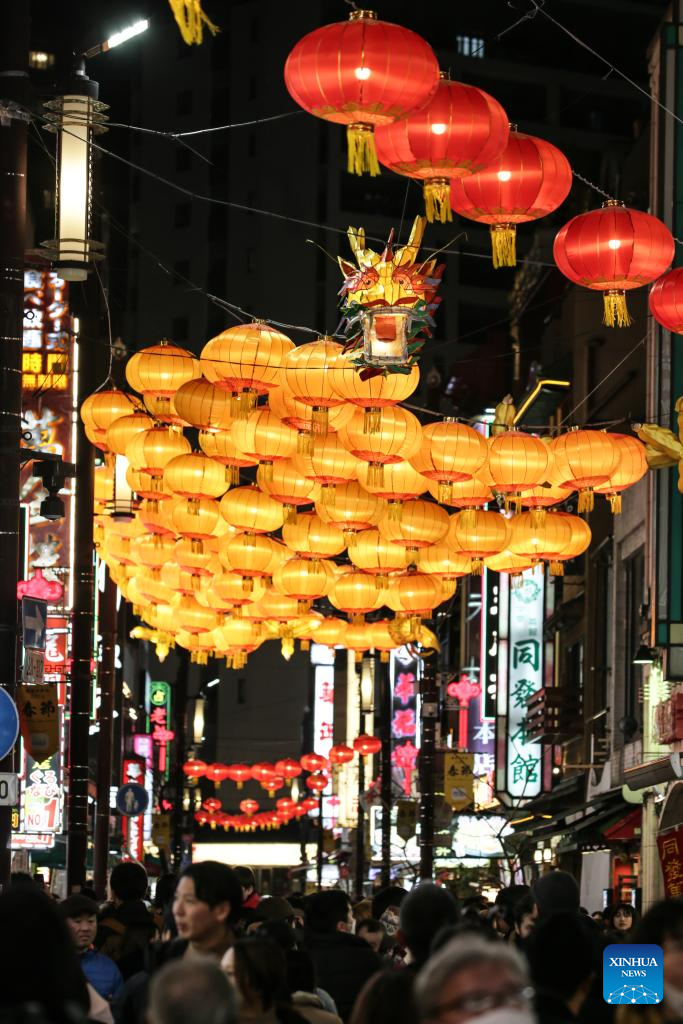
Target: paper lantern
point(443, 561)
point(298, 415)
point(378, 555)
point(201, 404)
point(249, 509)
point(341, 754)
point(327, 461)
point(236, 639)
point(239, 773)
point(585, 459)
point(306, 374)
point(422, 523)
point(318, 782)
point(245, 360)
point(159, 370)
point(579, 541)
point(350, 508)
point(666, 301)
point(195, 476)
point(264, 437)
point(362, 73)
point(195, 518)
point(366, 745)
point(154, 550)
point(192, 617)
point(537, 541)
point(311, 537)
point(249, 806)
point(250, 556)
point(400, 483)
point(216, 773)
point(382, 639)
point(303, 580)
point(100, 410)
point(228, 586)
point(613, 250)
point(466, 494)
point(631, 468)
point(355, 593)
point(219, 446)
point(511, 565)
point(397, 437)
point(152, 450)
point(374, 393)
point(516, 462)
point(530, 179)
point(450, 452)
point(314, 762)
point(194, 769)
point(124, 429)
point(358, 639)
point(284, 484)
point(459, 131)
point(538, 499)
point(289, 769)
point(331, 632)
point(479, 534)
point(413, 595)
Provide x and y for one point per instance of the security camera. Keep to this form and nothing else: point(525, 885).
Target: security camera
point(53, 472)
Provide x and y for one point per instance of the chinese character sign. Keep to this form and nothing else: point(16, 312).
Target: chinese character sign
point(671, 858)
point(405, 687)
point(133, 827)
point(323, 710)
point(42, 796)
point(524, 677)
point(158, 701)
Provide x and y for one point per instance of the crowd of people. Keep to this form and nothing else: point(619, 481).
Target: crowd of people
point(209, 949)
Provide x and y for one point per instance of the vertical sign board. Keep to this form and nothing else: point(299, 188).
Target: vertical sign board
point(143, 745)
point(521, 645)
point(158, 702)
point(133, 827)
point(404, 673)
point(322, 659)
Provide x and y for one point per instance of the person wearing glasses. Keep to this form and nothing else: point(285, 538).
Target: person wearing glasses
point(472, 979)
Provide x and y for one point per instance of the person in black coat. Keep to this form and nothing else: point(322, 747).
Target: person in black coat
point(343, 962)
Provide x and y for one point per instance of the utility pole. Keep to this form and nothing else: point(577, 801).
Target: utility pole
point(430, 702)
point(105, 717)
point(14, 85)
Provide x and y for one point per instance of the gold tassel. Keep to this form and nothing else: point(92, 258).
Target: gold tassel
point(239, 659)
point(411, 557)
point(395, 514)
point(302, 606)
point(503, 245)
point(236, 611)
point(319, 419)
point(193, 506)
point(305, 645)
point(190, 19)
point(616, 312)
point(445, 492)
point(312, 566)
point(234, 475)
point(615, 503)
point(556, 568)
point(381, 581)
point(228, 476)
point(267, 467)
point(449, 586)
point(476, 566)
point(517, 580)
point(468, 518)
point(357, 619)
point(538, 517)
point(290, 513)
point(287, 647)
point(372, 420)
point(304, 442)
point(361, 157)
point(195, 581)
point(375, 474)
point(247, 584)
point(437, 193)
point(358, 657)
point(384, 657)
point(242, 403)
point(586, 500)
point(196, 546)
point(351, 538)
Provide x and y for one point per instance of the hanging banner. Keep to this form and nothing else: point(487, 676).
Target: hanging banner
point(39, 714)
point(670, 846)
point(458, 779)
point(158, 701)
point(404, 673)
point(42, 796)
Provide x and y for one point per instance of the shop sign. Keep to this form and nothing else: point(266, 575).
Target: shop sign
point(670, 846)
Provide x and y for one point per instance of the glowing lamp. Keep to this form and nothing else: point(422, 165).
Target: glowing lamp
point(239, 773)
point(366, 746)
point(194, 769)
point(341, 754)
point(314, 762)
point(318, 782)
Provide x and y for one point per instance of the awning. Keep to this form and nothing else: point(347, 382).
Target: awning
point(626, 829)
point(590, 832)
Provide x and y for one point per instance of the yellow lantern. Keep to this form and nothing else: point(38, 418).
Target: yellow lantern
point(104, 484)
point(183, 581)
point(400, 483)
point(538, 499)
point(251, 510)
point(585, 459)
point(331, 631)
point(422, 523)
point(245, 360)
point(302, 580)
point(632, 467)
point(327, 461)
point(152, 587)
point(450, 453)
point(161, 369)
point(236, 639)
point(517, 461)
point(397, 437)
point(579, 542)
point(195, 518)
point(444, 561)
point(273, 607)
point(298, 415)
point(152, 450)
point(199, 403)
point(537, 541)
point(306, 374)
point(191, 616)
point(195, 476)
point(154, 550)
point(288, 487)
point(201, 646)
point(162, 409)
point(414, 595)
point(146, 486)
point(219, 446)
point(100, 410)
point(228, 586)
point(479, 534)
point(377, 555)
point(355, 593)
point(311, 537)
point(372, 394)
point(124, 429)
point(264, 437)
point(510, 564)
point(350, 508)
point(358, 639)
point(196, 555)
point(381, 638)
point(250, 556)
point(465, 495)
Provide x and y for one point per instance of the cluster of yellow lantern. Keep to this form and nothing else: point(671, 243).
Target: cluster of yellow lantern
point(218, 565)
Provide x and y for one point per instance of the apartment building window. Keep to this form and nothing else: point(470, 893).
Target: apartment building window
point(181, 215)
point(634, 569)
point(470, 46)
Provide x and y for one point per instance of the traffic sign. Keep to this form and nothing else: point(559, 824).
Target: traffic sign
point(33, 622)
point(9, 789)
point(9, 723)
point(132, 799)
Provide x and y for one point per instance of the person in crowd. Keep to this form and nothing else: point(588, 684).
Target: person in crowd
point(386, 907)
point(247, 879)
point(372, 932)
point(554, 892)
point(22, 880)
point(286, 938)
point(662, 924)
point(599, 919)
point(621, 920)
point(524, 918)
point(562, 967)
point(343, 962)
point(274, 908)
point(80, 914)
point(126, 927)
point(472, 979)
point(55, 990)
point(387, 998)
point(312, 1003)
point(191, 992)
point(162, 906)
point(425, 911)
point(257, 969)
point(362, 910)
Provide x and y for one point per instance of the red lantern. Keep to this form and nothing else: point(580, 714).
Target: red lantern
point(194, 769)
point(212, 804)
point(314, 762)
point(286, 805)
point(318, 781)
point(249, 806)
point(239, 773)
point(529, 180)
point(361, 73)
point(367, 745)
point(217, 773)
point(288, 768)
point(461, 130)
point(309, 803)
point(271, 783)
point(201, 817)
point(612, 250)
point(341, 754)
point(666, 300)
point(262, 771)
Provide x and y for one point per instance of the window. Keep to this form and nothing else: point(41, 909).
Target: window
point(184, 102)
point(635, 581)
point(181, 215)
point(183, 158)
point(179, 328)
point(470, 46)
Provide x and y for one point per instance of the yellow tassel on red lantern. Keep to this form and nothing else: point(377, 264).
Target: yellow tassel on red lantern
point(437, 193)
point(556, 568)
point(361, 155)
point(372, 420)
point(616, 312)
point(503, 245)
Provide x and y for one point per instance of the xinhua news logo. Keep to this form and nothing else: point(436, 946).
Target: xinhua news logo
point(632, 974)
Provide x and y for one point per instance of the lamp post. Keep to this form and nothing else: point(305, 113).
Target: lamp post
point(366, 685)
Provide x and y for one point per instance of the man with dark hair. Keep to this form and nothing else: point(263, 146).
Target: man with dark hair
point(386, 905)
point(524, 916)
point(80, 913)
point(247, 879)
point(561, 960)
point(343, 962)
point(196, 992)
point(424, 912)
point(372, 932)
point(556, 892)
point(126, 927)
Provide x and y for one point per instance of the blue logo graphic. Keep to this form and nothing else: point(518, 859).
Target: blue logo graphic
point(632, 974)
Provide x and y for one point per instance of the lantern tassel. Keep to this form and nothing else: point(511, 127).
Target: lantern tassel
point(615, 503)
point(468, 518)
point(267, 467)
point(503, 247)
point(362, 157)
point(477, 566)
point(372, 420)
point(556, 568)
point(351, 538)
point(290, 514)
point(449, 586)
point(247, 584)
point(319, 419)
point(305, 645)
point(586, 501)
point(538, 517)
point(445, 492)
point(384, 657)
point(302, 606)
point(616, 312)
point(304, 442)
point(234, 474)
point(395, 513)
point(437, 193)
point(517, 580)
point(196, 546)
point(381, 581)
point(287, 647)
point(376, 474)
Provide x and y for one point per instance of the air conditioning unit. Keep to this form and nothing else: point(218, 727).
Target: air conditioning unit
point(653, 773)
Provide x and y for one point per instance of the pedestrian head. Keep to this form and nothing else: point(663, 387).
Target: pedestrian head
point(128, 881)
point(622, 917)
point(555, 892)
point(206, 903)
point(328, 912)
point(470, 977)
point(561, 958)
point(191, 992)
point(80, 914)
point(424, 912)
point(524, 916)
point(372, 931)
point(257, 968)
point(387, 998)
point(247, 880)
point(165, 888)
point(663, 925)
point(58, 987)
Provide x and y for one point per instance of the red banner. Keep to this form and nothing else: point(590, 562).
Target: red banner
point(671, 857)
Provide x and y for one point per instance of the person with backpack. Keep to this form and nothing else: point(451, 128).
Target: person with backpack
point(126, 927)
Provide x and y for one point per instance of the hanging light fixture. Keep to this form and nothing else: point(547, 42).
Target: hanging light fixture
point(75, 116)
